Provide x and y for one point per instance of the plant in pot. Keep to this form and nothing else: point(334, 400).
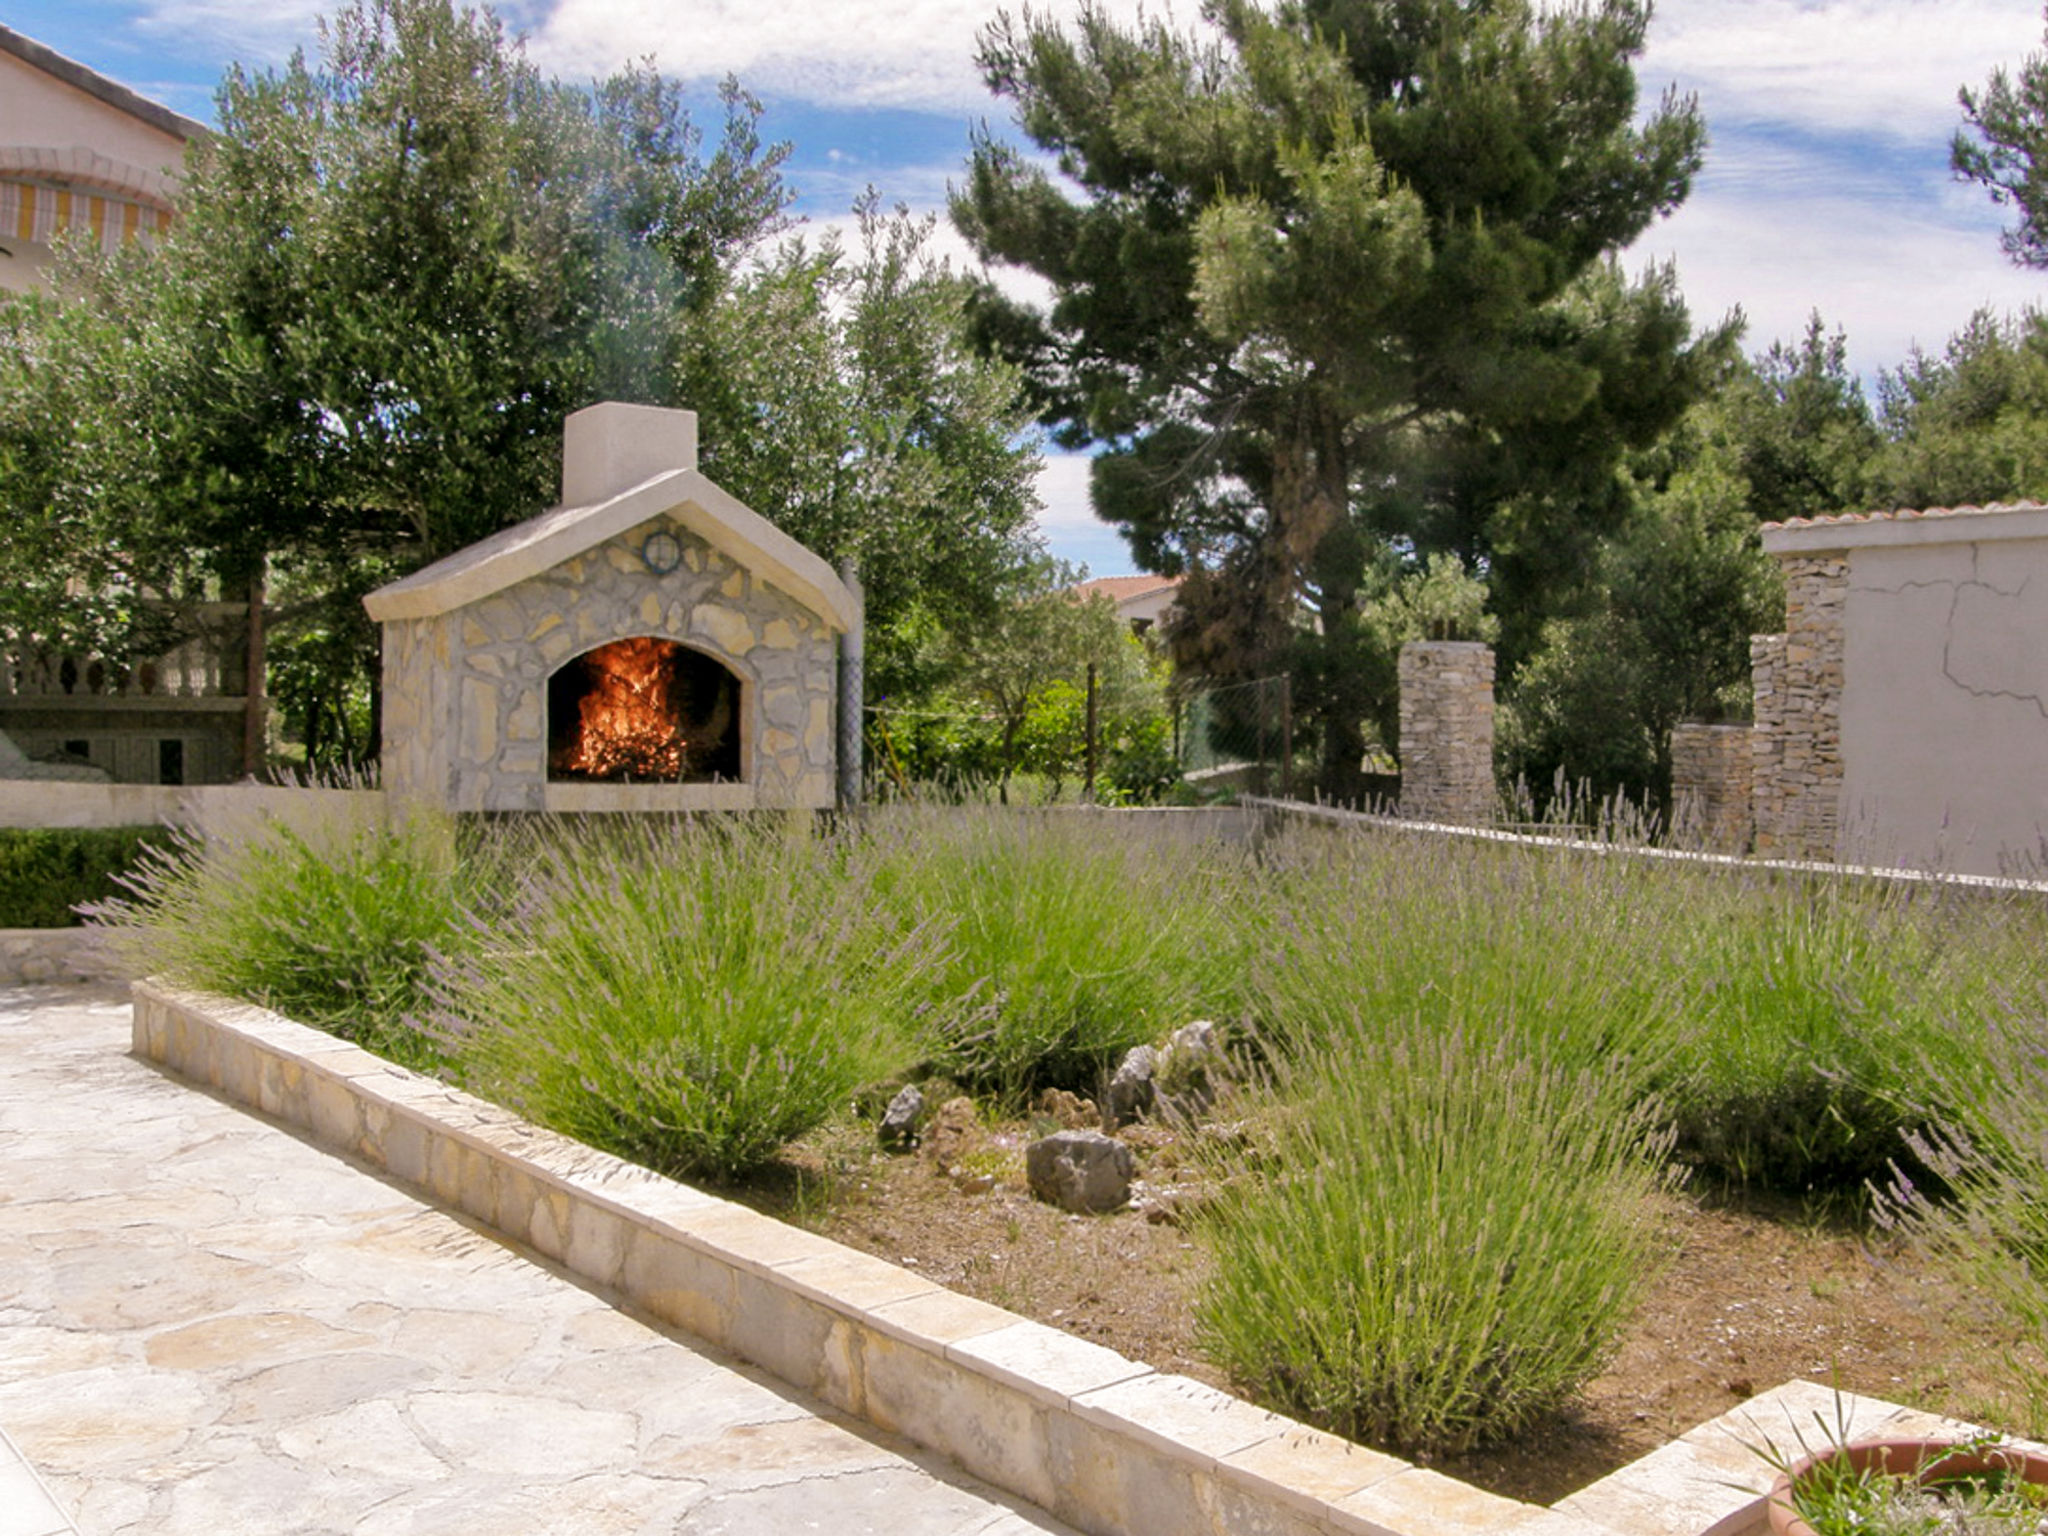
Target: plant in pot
point(1977, 1487)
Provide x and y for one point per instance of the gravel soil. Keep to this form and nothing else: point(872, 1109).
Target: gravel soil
point(1757, 1291)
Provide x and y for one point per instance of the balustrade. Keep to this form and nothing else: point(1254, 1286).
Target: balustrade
point(202, 666)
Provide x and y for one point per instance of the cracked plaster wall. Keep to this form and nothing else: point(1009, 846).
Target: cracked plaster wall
point(1944, 712)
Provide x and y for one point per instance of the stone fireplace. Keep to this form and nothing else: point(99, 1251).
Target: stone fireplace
point(650, 644)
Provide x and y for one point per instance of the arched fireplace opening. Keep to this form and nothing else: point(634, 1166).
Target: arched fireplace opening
point(644, 711)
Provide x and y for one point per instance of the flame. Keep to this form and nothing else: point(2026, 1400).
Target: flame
point(628, 726)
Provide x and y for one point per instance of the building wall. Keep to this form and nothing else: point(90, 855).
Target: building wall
point(1945, 716)
point(36, 108)
point(72, 160)
point(1902, 720)
point(465, 695)
point(1712, 769)
point(178, 718)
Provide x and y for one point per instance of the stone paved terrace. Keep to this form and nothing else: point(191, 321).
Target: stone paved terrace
point(208, 1326)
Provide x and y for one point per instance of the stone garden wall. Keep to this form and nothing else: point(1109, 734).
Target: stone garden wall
point(38, 955)
point(1711, 770)
point(1797, 677)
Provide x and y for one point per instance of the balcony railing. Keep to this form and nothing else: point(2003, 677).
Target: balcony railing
point(206, 665)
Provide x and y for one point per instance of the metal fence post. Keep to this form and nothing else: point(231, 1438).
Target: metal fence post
point(1287, 738)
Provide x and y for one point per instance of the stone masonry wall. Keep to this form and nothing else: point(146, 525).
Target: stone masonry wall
point(1711, 775)
point(1447, 732)
point(465, 702)
point(1796, 677)
point(32, 955)
point(1766, 734)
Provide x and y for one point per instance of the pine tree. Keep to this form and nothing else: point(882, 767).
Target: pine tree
point(1319, 280)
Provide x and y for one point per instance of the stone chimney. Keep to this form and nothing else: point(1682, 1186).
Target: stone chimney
point(608, 449)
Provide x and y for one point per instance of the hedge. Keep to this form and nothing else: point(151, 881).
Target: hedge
point(47, 871)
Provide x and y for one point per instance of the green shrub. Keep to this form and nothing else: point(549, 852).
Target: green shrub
point(690, 995)
point(1987, 1216)
point(1072, 936)
point(46, 874)
point(1822, 1002)
point(1783, 1019)
point(334, 927)
point(1439, 935)
point(1450, 1239)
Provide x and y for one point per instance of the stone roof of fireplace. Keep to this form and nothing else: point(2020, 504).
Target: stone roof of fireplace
point(613, 481)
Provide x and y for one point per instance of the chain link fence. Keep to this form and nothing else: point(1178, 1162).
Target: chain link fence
point(1236, 736)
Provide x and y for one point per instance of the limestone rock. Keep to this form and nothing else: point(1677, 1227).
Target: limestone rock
point(1190, 1069)
point(953, 1131)
point(898, 1128)
point(1131, 1090)
point(1069, 1111)
point(1083, 1171)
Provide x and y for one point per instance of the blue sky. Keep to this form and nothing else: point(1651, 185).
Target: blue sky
point(1826, 187)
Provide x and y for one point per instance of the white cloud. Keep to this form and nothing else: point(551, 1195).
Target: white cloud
point(254, 33)
point(1891, 278)
point(1063, 489)
point(1826, 185)
point(945, 244)
point(853, 53)
point(1882, 67)
point(1071, 529)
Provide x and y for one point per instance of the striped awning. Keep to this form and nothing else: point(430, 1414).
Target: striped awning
point(33, 213)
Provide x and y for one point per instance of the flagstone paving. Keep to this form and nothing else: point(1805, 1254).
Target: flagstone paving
point(208, 1326)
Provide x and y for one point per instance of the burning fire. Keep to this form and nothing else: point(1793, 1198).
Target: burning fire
point(628, 726)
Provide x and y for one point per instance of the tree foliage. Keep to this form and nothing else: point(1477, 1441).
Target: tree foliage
point(1324, 283)
point(398, 268)
point(2004, 148)
point(411, 261)
point(1796, 428)
point(1013, 694)
point(1968, 426)
point(837, 393)
point(1677, 591)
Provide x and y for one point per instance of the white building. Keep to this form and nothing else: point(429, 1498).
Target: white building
point(78, 152)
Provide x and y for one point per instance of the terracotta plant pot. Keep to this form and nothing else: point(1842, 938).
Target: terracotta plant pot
point(1922, 1460)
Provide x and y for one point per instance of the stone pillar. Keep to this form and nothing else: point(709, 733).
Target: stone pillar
point(1766, 742)
point(1797, 681)
point(1711, 767)
point(1447, 732)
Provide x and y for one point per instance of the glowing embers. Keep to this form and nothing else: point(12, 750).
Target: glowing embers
point(643, 711)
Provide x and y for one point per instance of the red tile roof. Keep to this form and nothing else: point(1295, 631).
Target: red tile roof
point(1122, 588)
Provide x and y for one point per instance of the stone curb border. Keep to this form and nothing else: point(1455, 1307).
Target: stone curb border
point(1714, 1480)
point(1106, 1444)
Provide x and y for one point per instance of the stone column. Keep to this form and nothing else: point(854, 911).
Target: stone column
point(1797, 681)
point(1447, 732)
point(1766, 742)
point(1711, 768)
